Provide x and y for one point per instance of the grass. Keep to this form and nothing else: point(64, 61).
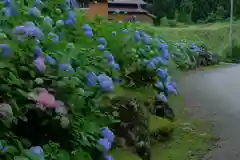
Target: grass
point(215, 35)
point(191, 139)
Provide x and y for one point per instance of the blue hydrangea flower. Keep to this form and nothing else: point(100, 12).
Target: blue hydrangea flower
point(115, 66)
point(107, 134)
point(6, 51)
point(59, 23)
point(108, 157)
point(141, 51)
point(120, 22)
point(171, 89)
point(106, 83)
point(101, 47)
point(37, 2)
point(29, 29)
point(162, 97)
point(91, 79)
point(37, 51)
point(151, 65)
point(66, 67)
point(38, 151)
point(161, 73)
point(147, 40)
point(137, 36)
point(116, 80)
point(164, 50)
point(89, 33)
point(106, 145)
point(73, 3)
point(159, 85)
point(39, 64)
point(71, 18)
point(102, 41)
point(108, 56)
point(86, 27)
point(125, 31)
point(7, 2)
point(48, 20)
point(54, 37)
point(50, 60)
point(34, 11)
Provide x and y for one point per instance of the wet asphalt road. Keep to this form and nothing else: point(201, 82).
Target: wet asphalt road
point(214, 95)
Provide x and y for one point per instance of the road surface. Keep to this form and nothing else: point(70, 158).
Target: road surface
point(214, 95)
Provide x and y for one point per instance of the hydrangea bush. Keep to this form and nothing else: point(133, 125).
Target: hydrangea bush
point(56, 67)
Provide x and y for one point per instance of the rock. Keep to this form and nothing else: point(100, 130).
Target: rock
point(164, 110)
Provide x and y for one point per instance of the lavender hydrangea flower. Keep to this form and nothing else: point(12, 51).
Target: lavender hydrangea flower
point(38, 151)
point(161, 73)
point(106, 145)
point(34, 11)
point(39, 63)
point(147, 40)
point(171, 89)
point(91, 79)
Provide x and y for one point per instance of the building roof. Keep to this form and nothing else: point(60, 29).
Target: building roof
point(128, 10)
point(126, 2)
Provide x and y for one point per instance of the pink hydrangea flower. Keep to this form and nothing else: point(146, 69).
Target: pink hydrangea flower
point(46, 99)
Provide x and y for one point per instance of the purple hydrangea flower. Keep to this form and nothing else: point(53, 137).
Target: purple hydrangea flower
point(106, 145)
point(108, 134)
point(91, 79)
point(34, 11)
point(39, 64)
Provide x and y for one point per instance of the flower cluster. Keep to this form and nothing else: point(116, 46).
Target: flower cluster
point(106, 142)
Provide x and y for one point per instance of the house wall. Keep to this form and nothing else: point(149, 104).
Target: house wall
point(98, 9)
point(125, 17)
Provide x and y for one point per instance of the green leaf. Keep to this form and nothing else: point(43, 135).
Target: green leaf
point(12, 150)
point(63, 155)
point(20, 158)
point(4, 65)
point(81, 156)
point(31, 156)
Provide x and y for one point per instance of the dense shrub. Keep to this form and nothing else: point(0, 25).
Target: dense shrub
point(58, 69)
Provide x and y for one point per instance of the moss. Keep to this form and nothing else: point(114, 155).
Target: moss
point(121, 154)
point(157, 123)
point(191, 137)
